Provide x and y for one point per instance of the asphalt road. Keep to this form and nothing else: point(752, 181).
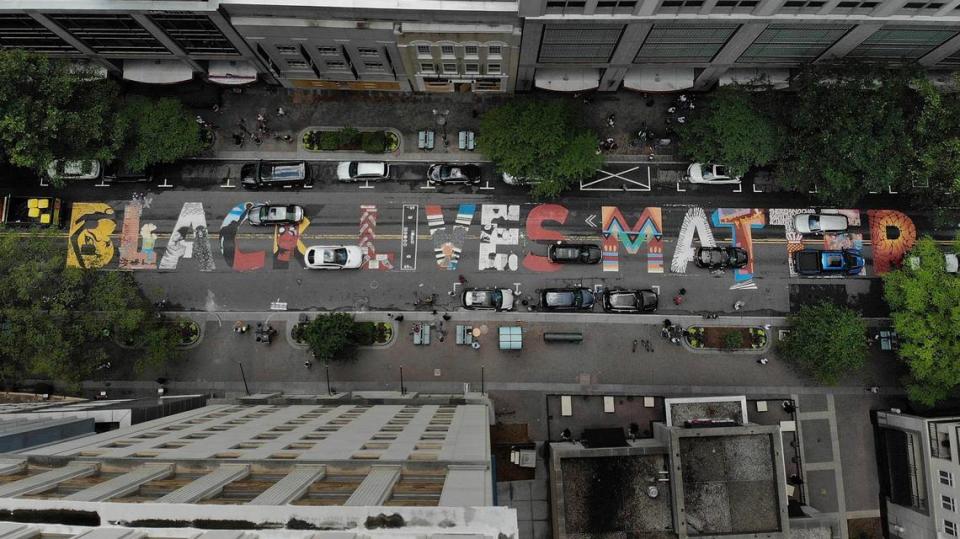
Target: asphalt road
point(497, 247)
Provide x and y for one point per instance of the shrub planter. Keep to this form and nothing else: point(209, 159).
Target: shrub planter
point(726, 338)
point(374, 333)
point(349, 139)
point(188, 331)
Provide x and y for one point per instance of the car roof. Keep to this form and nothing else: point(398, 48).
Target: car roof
point(372, 168)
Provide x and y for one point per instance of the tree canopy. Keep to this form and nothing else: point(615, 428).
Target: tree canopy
point(50, 110)
point(539, 140)
point(925, 307)
point(847, 129)
point(730, 128)
point(825, 341)
point(332, 337)
point(159, 131)
point(62, 322)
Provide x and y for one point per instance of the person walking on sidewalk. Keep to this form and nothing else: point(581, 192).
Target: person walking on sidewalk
point(280, 112)
point(763, 361)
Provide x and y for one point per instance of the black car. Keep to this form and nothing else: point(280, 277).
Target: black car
point(119, 173)
point(275, 174)
point(574, 253)
point(274, 214)
point(453, 173)
point(630, 301)
point(567, 299)
point(721, 257)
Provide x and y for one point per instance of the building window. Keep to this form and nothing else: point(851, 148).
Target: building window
point(682, 42)
point(328, 51)
point(793, 43)
point(800, 4)
point(563, 5)
point(423, 50)
point(426, 67)
point(471, 51)
point(494, 51)
point(447, 51)
point(367, 52)
point(579, 44)
point(373, 66)
point(681, 3)
point(287, 49)
point(950, 528)
point(450, 68)
point(336, 66)
point(947, 503)
point(471, 69)
point(901, 43)
point(946, 478)
point(735, 3)
point(493, 69)
point(300, 64)
point(610, 4)
point(923, 5)
point(861, 5)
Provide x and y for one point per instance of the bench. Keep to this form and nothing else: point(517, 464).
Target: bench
point(467, 140)
point(464, 335)
point(573, 337)
point(425, 139)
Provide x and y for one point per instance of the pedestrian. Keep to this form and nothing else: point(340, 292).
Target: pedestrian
point(678, 299)
point(874, 389)
point(200, 120)
point(683, 291)
point(399, 318)
point(280, 112)
point(635, 343)
point(260, 117)
point(763, 361)
point(461, 279)
point(738, 305)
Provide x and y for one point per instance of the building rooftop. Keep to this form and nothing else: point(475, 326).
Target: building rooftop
point(730, 484)
point(610, 495)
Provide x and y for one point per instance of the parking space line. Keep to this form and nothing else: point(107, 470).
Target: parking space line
point(366, 185)
point(680, 190)
point(166, 184)
point(755, 190)
point(739, 188)
point(487, 187)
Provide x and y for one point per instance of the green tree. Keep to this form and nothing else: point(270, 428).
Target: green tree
point(826, 341)
point(332, 337)
point(158, 131)
point(847, 132)
point(730, 128)
point(50, 110)
point(925, 307)
point(936, 146)
point(539, 140)
point(61, 322)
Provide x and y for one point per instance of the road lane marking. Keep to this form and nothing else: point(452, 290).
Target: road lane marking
point(410, 233)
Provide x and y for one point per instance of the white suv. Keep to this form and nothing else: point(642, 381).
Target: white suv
point(356, 171)
point(710, 174)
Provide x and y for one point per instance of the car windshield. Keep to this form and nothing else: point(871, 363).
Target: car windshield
point(352, 169)
point(335, 256)
point(814, 222)
point(720, 170)
point(851, 259)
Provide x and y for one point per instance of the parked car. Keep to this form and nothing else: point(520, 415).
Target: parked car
point(119, 173)
point(567, 299)
point(359, 171)
point(715, 258)
point(488, 299)
point(443, 173)
point(274, 214)
point(710, 173)
point(333, 257)
point(74, 170)
point(574, 253)
point(813, 223)
point(821, 262)
point(630, 301)
point(509, 179)
point(951, 264)
point(275, 174)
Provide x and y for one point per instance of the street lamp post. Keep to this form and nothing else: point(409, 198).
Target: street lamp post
point(403, 390)
point(243, 377)
point(329, 391)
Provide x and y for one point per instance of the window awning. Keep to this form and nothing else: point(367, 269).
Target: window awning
point(779, 78)
point(232, 72)
point(659, 79)
point(157, 71)
point(567, 80)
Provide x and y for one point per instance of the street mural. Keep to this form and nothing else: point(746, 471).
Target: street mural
point(741, 222)
point(448, 240)
point(496, 232)
point(89, 245)
point(137, 241)
point(893, 234)
point(646, 233)
point(506, 241)
point(190, 239)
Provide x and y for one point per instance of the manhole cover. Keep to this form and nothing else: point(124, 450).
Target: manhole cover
point(374, 285)
point(484, 329)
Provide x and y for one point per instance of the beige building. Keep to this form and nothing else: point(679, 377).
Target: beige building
point(421, 466)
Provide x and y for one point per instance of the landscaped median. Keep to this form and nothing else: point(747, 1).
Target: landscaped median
point(372, 140)
point(726, 338)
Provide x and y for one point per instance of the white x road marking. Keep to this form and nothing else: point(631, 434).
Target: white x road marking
point(611, 175)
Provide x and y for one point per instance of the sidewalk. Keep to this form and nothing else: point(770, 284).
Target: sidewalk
point(409, 113)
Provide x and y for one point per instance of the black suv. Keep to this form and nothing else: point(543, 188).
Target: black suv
point(574, 253)
point(567, 299)
point(630, 301)
point(273, 174)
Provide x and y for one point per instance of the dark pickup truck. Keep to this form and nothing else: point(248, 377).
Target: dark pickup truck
point(817, 262)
